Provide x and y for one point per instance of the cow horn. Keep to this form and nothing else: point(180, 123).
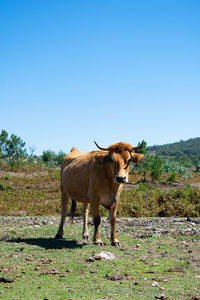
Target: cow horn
point(104, 149)
point(139, 147)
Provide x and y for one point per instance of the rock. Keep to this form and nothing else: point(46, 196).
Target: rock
point(162, 297)
point(19, 250)
point(6, 280)
point(155, 283)
point(102, 256)
point(183, 243)
point(94, 271)
point(118, 277)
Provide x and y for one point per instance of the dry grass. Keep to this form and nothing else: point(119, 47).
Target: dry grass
point(34, 190)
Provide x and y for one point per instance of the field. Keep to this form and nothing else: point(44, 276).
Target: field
point(34, 190)
point(159, 258)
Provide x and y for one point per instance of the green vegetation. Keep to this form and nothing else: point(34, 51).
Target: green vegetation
point(52, 159)
point(153, 260)
point(189, 147)
point(14, 154)
point(187, 153)
point(11, 149)
point(153, 202)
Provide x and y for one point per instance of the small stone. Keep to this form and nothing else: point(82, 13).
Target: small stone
point(94, 271)
point(155, 283)
point(118, 277)
point(6, 280)
point(183, 243)
point(115, 277)
point(162, 297)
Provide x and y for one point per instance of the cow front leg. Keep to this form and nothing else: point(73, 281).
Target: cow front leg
point(97, 221)
point(85, 221)
point(64, 207)
point(112, 217)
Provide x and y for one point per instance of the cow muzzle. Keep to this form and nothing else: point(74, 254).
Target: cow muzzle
point(120, 178)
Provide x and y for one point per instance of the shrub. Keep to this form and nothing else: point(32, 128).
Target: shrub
point(172, 177)
point(156, 168)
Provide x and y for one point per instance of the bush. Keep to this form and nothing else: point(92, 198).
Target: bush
point(172, 177)
point(156, 168)
point(52, 159)
point(154, 202)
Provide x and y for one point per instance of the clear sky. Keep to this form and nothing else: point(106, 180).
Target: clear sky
point(74, 71)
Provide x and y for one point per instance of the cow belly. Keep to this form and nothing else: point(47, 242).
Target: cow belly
point(79, 197)
point(76, 193)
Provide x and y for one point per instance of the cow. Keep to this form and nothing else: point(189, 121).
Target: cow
point(96, 178)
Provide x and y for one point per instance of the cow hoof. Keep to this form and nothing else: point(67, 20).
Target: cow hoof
point(58, 236)
point(99, 244)
point(86, 237)
point(116, 244)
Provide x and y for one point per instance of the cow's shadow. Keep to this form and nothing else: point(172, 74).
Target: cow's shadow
point(49, 243)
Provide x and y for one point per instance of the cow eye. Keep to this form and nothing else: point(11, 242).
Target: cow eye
point(128, 163)
point(111, 159)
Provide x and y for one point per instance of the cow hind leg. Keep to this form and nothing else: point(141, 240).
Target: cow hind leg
point(85, 221)
point(73, 210)
point(97, 221)
point(64, 207)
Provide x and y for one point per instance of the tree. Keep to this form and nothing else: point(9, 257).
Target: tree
point(144, 148)
point(156, 167)
point(152, 164)
point(51, 158)
point(12, 149)
point(60, 157)
point(145, 165)
point(3, 142)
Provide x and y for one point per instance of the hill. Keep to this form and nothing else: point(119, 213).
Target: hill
point(181, 148)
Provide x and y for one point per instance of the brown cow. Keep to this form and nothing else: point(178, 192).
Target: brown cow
point(96, 178)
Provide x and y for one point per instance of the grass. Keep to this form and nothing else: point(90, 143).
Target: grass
point(44, 268)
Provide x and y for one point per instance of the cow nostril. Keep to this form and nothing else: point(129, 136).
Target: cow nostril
point(120, 179)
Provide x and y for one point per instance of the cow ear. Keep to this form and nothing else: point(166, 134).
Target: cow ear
point(136, 158)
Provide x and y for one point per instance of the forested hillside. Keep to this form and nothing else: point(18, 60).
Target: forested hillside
point(189, 147)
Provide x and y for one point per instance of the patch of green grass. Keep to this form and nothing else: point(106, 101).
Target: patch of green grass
point(43, 267)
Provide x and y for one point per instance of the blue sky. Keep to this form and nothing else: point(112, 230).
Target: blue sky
point(76, 71)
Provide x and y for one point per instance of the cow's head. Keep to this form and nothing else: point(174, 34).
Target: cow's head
point(119, 157)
